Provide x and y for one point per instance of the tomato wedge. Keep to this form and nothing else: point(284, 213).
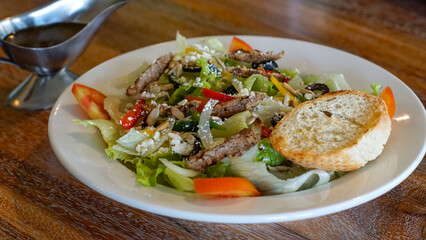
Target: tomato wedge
point(91, 100)
point(387, 95)
point(225, 187)
point(216, 95)
point(201, 99)
point(129, 120)
point(237, 44)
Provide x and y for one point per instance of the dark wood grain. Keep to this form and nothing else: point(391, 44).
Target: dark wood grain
point(39, 199)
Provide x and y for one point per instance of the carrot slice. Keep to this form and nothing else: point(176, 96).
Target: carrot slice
point(225, 187)
point(387, 95)
point(237, 44)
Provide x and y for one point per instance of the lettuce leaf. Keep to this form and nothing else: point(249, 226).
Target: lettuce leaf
point(267, 154)
point(215, 45)
point(181, 44)
point(219, 170)
point(234, 124)
point(269, 184)
point(149, 169)
point(121, 156)
point(180, 182)
point(334, 81)
point(110, 131)
point(148, 176)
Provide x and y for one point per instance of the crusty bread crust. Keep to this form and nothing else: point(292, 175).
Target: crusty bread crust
point(339, 131)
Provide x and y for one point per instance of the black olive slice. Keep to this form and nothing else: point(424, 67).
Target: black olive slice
point(267, 65)
point(197, 145)
point(191, 68)
point(318, 86)
point(230, 91)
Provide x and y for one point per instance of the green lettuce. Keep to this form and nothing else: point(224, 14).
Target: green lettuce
point(233, 125)
point(149, 169)
point(218, 170)
point(180, 182)
point(267, 154)
point(110, 131)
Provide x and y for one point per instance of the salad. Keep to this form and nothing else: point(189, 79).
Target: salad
point(199, 120)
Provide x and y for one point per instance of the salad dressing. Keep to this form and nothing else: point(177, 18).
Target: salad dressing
point(44, 36)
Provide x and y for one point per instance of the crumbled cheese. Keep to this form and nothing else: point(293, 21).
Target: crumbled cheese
point(144, 146)
point(198, 83)
point(178, 145)
point(162, 150)
point(308, 96)
point(146, 94)
point(156, 135)
point(182, 103)
point(181, 80)
point(244, 92)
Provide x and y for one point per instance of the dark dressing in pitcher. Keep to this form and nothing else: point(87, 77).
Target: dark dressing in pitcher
point(44, 36)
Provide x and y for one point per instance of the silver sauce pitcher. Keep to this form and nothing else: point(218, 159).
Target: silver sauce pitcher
point(49, 65)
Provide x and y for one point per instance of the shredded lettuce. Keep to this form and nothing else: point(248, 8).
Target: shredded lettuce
point(110, 131)
point(215, 45)
point(233, 125)
point(148, 176)
point(268, 107)
point(267, 154)
point(149, 169)
point(291, 73)
point(181, 44)
point(375, 87)
point(180, 182)
point(268, 184)
point(120, 155)
point(219, 170)
point(334, 81)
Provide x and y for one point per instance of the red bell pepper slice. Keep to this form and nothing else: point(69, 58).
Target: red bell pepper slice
point(266, 132)
point(237, 44)
point(217, 95)
point(201, 99)
point(225, 187)
point(387, 95)
point(91, 100)
point(129, 120)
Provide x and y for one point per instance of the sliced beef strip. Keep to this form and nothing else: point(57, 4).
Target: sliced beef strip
point(255, 56)
point(248, 72)
point(234, 146)
point(237, 105)
point(150, 74)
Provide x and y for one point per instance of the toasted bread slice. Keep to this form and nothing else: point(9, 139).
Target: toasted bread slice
point(339, 131)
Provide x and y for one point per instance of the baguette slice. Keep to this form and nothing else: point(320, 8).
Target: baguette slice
point(339, 131)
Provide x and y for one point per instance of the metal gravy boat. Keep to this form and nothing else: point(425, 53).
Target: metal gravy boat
point(49, 65)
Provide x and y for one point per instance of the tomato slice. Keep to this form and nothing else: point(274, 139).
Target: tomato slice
point(216, 95)
point(237, 44)
point(225, 187)
point(387, 95)
point(266, 132)
point(201, 99)
point(91, 100)
point(129, 120)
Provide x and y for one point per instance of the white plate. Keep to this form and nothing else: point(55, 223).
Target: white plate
point(81, 150)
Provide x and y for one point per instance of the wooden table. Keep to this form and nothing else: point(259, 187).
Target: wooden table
point(40, 199)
